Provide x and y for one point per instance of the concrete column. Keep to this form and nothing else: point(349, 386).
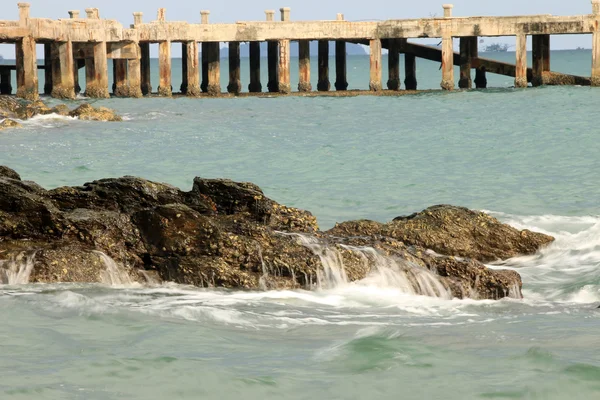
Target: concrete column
point(284, 67)
point(76, 75)
point(410, 70)
point(595, 80)
point(272, 58)
point(138, 18)
point(480, 78)
point(596, 7)
point(184, 78)
point(146, 81)
point(47, 68)
point(161, 15)
point(63, 73)
point(214, 69)
point(27, 74)
point(92, 13)
point(541, 58)
point(96, 72)
point(341, 80)
point(323, 84)
point(255, 86)
point(5, 81)
point(205, 48)
point(521, 61)
point(235, 75)
point(468, 51)
point(304, 66)
point(23, 15)
point(447, 63)
point(192, 70)
point(134, 76)
point(74, 14)
point(120, 87)
point(546, 52)
point(164, 69)
point(393, 82)
point(375, 65)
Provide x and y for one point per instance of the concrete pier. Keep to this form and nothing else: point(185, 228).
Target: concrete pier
point(164, 69)
point(255, 86)
point(235, 76)
point(393, 82)
point(63, 74)
point(323, 85)
point(304, 84)
point(93, 41)
point(375, 65)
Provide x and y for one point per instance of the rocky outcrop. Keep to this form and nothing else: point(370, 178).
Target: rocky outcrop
point(12, 108)
point(9, 123)
point(229, 234)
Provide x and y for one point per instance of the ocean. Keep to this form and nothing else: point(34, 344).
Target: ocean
point(528, 157)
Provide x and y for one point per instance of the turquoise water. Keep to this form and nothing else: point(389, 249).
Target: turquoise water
point(527, 156)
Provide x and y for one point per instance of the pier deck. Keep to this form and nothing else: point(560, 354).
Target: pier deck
point(74, 42)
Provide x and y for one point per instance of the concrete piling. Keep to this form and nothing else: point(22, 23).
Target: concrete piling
point(27, 76)
point(192, 69)
point(393, 82)
point(375, 65)
point(96, 72)
point(47, 68)
point(214, 69)
point(541, 58)
point(204, 18)
point(410, 71)
point(304, 66)
point(480, 78)
point(521, 61)
point(120, 87)
point(134, 75)
point(468, 52)
point(323, 84)
point(184, 77)
point(63, 74)
point(341, 80)
point(146, 81)
point(272, 58)
point(255, 86)
point(164, 69)
point(283, 83)
point(235, 76)
point(5, 81)
point(595, 78)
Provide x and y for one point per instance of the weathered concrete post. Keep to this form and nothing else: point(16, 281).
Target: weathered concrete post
point(393, 82)
point(272, 58)
point(92, 13)
point(480, 78)
point(47, 68)
point(96, 72)
point(23, 13)
point(595, 79)
point(5, 81)
point(214, 69)
point(164, 69)
point(341, 81)
point(134, 75)
point(204, 18)
point(468, 51)
point(541, 58)
point(184, 78)
point(27, 76)
point(235, 75)
point(375, 65)
point(304, 66)
point(120, 87)
point(410, 67)
point(145, 68)
point(323, 84)
point(192, 69)
point(63, 74)
point(521, 61)
point(447, 52)
point(284, 57)
point(255, 86)
point(74, 14)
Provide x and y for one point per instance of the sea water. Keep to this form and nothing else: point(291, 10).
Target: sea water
point(528, 157)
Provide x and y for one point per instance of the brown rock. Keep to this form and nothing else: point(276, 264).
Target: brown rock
point(86, 112)
point(9, 123)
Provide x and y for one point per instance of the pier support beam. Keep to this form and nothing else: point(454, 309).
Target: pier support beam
point(235, 75)
point(447, 64)
point(164, 69)
point(134, 76)
point(480, 78)
point(273, 65)
point(27, 75)
point(255, 86)
point(375, 65)
point(521, 62)
point(541, 58)
point(47, 68)
point(393, 82)
point(304, 66)
point(120, 87)
point(284, 57)
point(410, 67)
point(145, 69)
point(63, 74)
point(341, 80)
point(184, 67)
point(596, 58)
point(323, 85)
point(5, 81)
point(96, 72)
point(468, 51)
point(213, 60)
point(191, 75)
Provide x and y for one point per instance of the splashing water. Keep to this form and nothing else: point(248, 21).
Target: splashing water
point(113, 274)
point(384, 271)
point(17, 270)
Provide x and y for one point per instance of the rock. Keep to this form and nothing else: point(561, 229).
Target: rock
point(229, 234)
point(9, 106)
point(9, 123)
point(60, 109)
point(86, 112)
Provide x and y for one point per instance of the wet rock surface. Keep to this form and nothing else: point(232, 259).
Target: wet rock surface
point(12, 109)
point(229, 234)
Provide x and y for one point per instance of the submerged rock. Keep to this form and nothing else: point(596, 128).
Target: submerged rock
point(86, 112)
point(229, 234)
point(9, 123)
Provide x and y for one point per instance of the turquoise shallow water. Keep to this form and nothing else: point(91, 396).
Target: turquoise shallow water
point(527, 156)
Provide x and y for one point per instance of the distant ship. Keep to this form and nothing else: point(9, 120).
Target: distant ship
point(496, 48)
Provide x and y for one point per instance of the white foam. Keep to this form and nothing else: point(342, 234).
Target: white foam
point(114, 274)
point(18, 269)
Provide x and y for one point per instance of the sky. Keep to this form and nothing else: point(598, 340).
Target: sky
point(225, 11)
